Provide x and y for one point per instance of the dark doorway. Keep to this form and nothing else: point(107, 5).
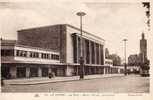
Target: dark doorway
point(33, 72)
point(5, 72)
point(21, 72)
point(60, 72)
point(44, 72)
point(55, 71)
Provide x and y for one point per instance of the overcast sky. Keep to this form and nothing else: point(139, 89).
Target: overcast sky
point(111, 21)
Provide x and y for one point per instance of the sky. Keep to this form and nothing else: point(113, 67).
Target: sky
point(112, 21)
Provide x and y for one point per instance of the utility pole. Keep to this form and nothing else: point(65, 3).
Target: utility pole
point(125, 65)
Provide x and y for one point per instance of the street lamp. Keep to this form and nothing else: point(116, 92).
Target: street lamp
point(81, 14)
point(125, 65)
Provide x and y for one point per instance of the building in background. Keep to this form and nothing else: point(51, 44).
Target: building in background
point(144, 66)
point(116, 59)
point(134, 60)
point(143, 49)
point(107, 53)
point(42, 50)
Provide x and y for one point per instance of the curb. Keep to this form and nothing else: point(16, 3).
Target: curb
point(63, 81)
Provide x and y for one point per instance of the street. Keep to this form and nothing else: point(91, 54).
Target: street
point(120, 84)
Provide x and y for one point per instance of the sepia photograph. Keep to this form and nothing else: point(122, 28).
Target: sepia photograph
point(68, 46)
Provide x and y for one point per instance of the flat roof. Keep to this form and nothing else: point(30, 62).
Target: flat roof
point(84, 31)
point(62, 25)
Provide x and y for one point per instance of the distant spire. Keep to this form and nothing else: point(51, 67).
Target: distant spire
point(143, 36)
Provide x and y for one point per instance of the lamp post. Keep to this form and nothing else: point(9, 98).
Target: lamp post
point(81, 14)
point(125, 65)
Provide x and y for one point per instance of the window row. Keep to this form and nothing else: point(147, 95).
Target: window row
point(23, 53)
point(5, 52)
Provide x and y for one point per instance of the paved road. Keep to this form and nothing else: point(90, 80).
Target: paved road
point(122, 84)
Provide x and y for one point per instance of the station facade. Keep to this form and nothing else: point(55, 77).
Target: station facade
point(39, 51)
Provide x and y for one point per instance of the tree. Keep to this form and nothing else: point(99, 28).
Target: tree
point(116, 59)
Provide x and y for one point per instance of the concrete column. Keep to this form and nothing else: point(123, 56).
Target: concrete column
point(104, 72)
point(90, 53)
point(39, 55)
point(68, 71)
point(39, 72)
point(28, 53)
point(77, 70)
point(118, 70)
point(15, 52)
point(49, 70)
point(50, 56)
point(27, 72)
point(77, 48)
point(99, 55)
point(84, 51)
point(109, 70)
point(13, 71)
point(95, 53)
point(103, 47)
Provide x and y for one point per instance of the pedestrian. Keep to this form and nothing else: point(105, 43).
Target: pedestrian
point(50, 75)
point(2, 81)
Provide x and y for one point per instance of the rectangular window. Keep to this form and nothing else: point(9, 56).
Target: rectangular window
point(5, 52)
point(34, 54)
point(45, 56)
point(54, 56)
point(21, 53)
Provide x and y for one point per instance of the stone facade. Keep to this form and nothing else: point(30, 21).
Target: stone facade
point(49, 37)
point(42, 50)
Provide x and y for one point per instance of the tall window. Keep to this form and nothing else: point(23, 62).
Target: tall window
point(97, 53)
point(102, 56)
point(87, 51)
point(93, 52)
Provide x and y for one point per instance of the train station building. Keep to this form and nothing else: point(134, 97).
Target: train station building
point(56, 48)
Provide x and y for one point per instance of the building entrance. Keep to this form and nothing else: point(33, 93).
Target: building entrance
point(5, 72)
point(33, 72)
point(21, 72)
point(44, 72)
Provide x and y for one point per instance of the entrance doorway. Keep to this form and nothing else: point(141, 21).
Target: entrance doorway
point(21, 72)
point(44, 72)
point(55, 71)
point(33, 72)
point(5, 72)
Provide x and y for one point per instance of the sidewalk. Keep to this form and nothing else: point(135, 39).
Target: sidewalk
point(42, 80)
